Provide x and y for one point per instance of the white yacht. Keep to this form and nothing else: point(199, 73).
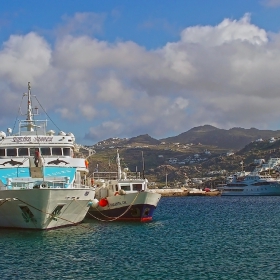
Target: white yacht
point(45, 191)
point(122, 196)
point(252, 184)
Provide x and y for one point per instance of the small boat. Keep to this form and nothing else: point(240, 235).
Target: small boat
point(251, 184)
point(42, 186)
point(122, 196)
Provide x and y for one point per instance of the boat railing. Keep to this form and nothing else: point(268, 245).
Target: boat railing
point(43, 185)
point(38, 125)
point(49, 182)
point(114, 175)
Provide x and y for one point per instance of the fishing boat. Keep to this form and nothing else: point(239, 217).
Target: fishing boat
point(251, 184)
point(122, 196)
point(42, 186)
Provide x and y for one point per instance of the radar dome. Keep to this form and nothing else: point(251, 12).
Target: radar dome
point(2, 134)
point(51, 132)
point(72, 135)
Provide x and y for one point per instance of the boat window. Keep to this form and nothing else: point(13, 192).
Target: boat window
point(261, 183)
point(116, 188)
point(23, 152)
point(46, 151)
point(125, 187)
point(234, 190)
point(12, 152)
point(66, 152)
point(56, 151)
point(2, 152)
point(137, 187)
point(32, 151)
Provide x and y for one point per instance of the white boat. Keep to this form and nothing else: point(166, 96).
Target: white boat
point(49, 192)
point(252, 184)
point(122, 196)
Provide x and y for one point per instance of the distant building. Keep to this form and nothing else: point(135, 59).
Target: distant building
point(207, 152)
point(172, 160)
point(259, 161)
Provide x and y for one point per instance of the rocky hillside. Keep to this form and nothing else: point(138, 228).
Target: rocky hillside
point(235, 138)
point(202, 151)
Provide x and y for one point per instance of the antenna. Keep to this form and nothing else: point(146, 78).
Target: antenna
point(143, 166)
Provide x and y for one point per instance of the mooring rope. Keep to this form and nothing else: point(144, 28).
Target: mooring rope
point(111, 220)
point(4, 202)
point(53, 216)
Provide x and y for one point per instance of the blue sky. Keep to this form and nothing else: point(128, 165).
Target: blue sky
point(123, 68)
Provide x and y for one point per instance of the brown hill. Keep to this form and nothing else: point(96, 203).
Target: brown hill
point(235, 138)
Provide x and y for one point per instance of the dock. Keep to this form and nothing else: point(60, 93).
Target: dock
point(186, 192)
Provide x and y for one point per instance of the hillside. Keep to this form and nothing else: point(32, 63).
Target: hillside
point(201, 157)
point(234, 138)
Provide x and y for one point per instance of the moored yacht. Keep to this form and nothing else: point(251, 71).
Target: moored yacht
point(42, 185)
point(252, 184)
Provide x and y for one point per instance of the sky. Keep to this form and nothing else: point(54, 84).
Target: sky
point(103, 69)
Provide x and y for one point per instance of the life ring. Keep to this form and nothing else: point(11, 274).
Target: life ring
point(116, 193)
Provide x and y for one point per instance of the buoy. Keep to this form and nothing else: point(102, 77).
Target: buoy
point(94, 203)
point(103, 202)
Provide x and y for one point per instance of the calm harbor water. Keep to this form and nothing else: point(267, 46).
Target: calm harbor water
point(189, 238)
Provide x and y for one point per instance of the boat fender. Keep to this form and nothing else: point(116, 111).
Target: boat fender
point(122, 192)
point(94, 203)
point(103, 202)
point(89, 204)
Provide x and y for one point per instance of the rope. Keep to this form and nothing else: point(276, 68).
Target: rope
point(112, 217)
point(4, 202)
point(47, 114)
point(19, 110)
point(53, 216)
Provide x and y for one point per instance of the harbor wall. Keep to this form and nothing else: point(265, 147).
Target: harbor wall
point(185, 192)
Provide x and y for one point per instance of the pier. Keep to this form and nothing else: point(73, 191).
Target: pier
point(186, 192)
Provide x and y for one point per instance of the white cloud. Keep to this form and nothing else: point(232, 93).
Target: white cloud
point(24, 58)
point(81, 24)
point(225, 75)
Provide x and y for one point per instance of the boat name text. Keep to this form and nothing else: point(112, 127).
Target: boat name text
point(117, 203)
point(35, 139)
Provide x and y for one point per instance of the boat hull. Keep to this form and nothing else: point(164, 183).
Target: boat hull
point(44, 208)
point(268, 191)
point(129, 207)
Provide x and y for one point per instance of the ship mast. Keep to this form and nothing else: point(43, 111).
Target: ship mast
point(119, 165)
point(29, 118)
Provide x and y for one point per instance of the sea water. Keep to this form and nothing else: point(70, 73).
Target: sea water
point(189, 238)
